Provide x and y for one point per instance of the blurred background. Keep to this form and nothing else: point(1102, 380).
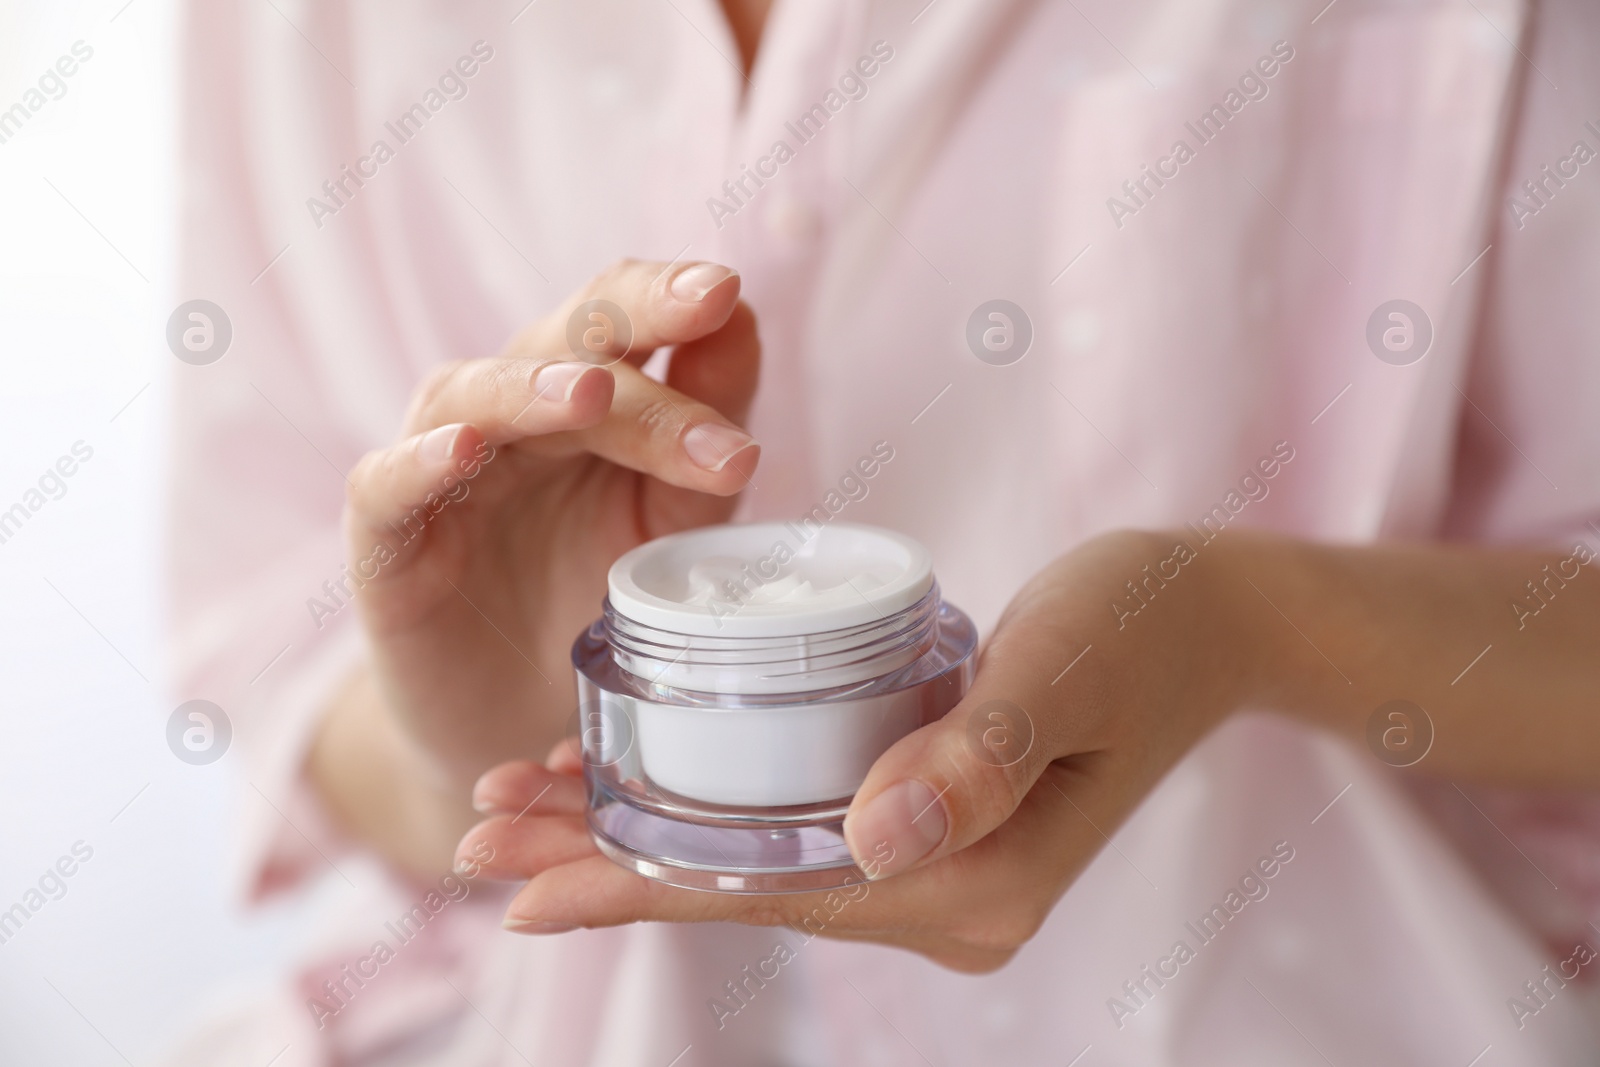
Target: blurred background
point(117, 961)
point(143, 939)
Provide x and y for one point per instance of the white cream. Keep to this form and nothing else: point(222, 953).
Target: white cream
point(770, 579)
point(718, 579)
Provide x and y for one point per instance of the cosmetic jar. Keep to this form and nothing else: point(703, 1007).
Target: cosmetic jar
point(741, 682)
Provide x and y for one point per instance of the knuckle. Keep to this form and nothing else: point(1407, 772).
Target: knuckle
point(511, 376)
point(660, 417)
point(984, 795)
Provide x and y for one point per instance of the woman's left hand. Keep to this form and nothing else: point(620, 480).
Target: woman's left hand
point(970, 828)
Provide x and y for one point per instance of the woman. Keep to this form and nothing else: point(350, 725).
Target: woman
point(1278, 298)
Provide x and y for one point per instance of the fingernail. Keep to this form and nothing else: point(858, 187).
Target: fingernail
point(481, 802)
point(437, 445)
point(693, 283)
point(483, 794)
point(897, 828)
point(536, 926)
point(466, 856)
point(711, 445)
point(556, 382)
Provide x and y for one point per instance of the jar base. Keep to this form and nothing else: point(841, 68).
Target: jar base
point(693, 850)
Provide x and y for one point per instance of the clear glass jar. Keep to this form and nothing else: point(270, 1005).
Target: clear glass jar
point(739, 685)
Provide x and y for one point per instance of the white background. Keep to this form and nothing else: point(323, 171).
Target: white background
point(145, 939)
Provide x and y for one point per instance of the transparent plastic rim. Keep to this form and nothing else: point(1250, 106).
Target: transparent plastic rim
point(662, 660)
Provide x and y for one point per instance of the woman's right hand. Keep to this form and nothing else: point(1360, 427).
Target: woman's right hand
point(518, 481)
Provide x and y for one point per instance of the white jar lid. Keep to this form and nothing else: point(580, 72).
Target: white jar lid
point(770, 579)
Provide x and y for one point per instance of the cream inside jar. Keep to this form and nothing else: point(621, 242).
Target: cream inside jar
point(739, 686)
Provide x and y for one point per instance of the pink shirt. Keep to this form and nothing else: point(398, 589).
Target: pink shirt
point(1192, 311)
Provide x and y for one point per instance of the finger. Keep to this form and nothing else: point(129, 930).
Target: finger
point(618, 413)
point(522, 786)
point(971, 911)
point(593, 894)
point(566, 757)
point(947, 785)
point(937, 910)
point(655, 429)
point(597, 892)
point(513, 848)
point(511, 398)
point(411, 480)
point(661, 304)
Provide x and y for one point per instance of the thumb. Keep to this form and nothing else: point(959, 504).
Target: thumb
point(947, 785)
